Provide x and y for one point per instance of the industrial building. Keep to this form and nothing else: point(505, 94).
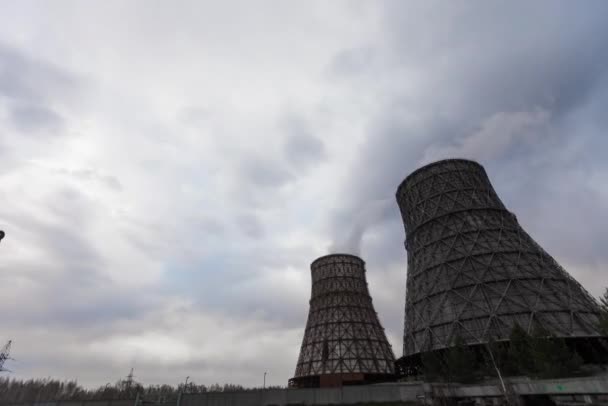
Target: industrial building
point(344, 343)
point(473, 272)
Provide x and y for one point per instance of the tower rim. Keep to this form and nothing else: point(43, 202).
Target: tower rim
point(430, 165)
point(336, 254)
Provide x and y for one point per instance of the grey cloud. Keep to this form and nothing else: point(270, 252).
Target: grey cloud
point(251, 282)
point(63, 243)
point(250, 225)
point(477, 59)
point(302, 148)
point(33, 89)
point(193, 115)
point(270, 297)
point(211, 226)
point(91, 175)
point(558, 204)
point(352, 62)
point(73, 297)
point(70, 285)
point(23, 78)
point(265, 173)
point(61, 298)
point(35, 117)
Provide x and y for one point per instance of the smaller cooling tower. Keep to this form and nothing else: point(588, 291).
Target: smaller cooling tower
point(344, 343)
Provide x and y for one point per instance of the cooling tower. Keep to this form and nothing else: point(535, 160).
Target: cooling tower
point(344, 343)
point(473, 271)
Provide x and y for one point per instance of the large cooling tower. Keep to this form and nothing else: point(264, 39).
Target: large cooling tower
point(343, 343)
point(473, 271)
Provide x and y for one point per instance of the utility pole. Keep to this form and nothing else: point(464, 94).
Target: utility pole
point(502, 383)
point(4, 353)
point(264, 387)
point(129, 380)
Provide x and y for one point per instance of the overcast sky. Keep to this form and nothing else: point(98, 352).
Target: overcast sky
point(168, 170)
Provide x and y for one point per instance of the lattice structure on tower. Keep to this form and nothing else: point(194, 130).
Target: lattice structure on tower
point(343, 343)
point(473, 272)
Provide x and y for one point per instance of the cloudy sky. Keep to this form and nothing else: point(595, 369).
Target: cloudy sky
point(169, 169)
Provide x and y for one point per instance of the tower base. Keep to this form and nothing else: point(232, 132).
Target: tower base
point(339, 380)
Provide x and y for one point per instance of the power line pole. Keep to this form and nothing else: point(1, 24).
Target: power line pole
point(129, 380)
point(502, 382)
point(4, 355)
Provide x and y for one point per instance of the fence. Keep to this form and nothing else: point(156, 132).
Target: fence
point(325, 396)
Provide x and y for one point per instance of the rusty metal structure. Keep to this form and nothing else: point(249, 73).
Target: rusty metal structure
point(473, 272)
point(344, 343)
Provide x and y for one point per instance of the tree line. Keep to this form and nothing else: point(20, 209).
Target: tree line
point(537, 355)
point(40, 390)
